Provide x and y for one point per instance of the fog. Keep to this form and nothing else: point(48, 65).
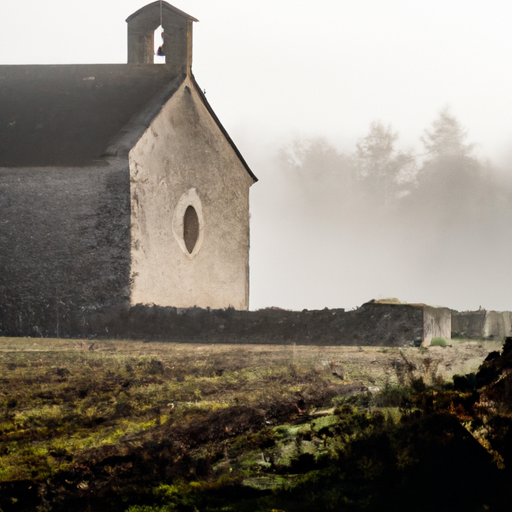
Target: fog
point(297, 86)
point(335, 228)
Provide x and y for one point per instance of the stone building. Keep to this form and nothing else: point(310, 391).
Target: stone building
point(482, 324)
point(118, 186)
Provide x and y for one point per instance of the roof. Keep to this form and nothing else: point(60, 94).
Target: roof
point(91, 110)
point(165, 5)
point(83, 107)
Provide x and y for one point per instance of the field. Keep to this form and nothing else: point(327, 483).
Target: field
point(141, 426)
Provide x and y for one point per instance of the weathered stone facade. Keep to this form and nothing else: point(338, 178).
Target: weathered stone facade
point(177, 27)
point(183, 160)
point(437, 323)
point(64, 246)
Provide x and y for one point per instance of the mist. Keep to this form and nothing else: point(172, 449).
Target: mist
point(297, 85)
point(337, 227)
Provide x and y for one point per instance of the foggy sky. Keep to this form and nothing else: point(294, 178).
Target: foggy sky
point(277, 70)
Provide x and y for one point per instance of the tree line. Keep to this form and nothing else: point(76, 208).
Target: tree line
point(444, 182)
point(430, 224)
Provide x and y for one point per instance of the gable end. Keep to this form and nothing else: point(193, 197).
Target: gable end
point(222, 129)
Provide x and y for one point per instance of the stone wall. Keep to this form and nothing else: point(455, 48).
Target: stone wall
point(184, 159)
point(437, 323)
point(482, 324)
point(64, 247)
point(371, 324)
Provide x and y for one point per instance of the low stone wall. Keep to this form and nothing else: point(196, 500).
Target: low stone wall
point(371, 324)
point(482, 324)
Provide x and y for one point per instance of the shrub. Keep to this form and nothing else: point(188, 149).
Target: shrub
point(150, 508)
point(418, 385)
point(392, 396)
point(465, 382)
point(438, 342)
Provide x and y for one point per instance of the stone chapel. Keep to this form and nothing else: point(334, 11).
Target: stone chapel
point(119, 186)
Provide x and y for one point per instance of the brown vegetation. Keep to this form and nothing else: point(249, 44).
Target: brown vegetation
point(106, 425)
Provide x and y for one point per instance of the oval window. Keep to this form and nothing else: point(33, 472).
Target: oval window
point(190, 228)
point(188, 223)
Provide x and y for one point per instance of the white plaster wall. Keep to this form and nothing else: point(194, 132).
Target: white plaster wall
point(498, 324)
point(182, 150)
point(437, 323)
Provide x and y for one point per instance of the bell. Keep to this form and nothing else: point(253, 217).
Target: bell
point(160, 52)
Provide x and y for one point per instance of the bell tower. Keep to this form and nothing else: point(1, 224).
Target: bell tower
point(177, 26)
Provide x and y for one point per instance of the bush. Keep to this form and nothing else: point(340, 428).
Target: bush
point(392, 396)
point(438, 342)
point(465, 382)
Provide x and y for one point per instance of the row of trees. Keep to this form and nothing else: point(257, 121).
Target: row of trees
point(446, 178)
point(340, 227)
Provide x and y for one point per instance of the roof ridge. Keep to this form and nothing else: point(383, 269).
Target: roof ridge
point(164, 4)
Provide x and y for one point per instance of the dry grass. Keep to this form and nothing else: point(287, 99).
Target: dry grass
point(61, 397)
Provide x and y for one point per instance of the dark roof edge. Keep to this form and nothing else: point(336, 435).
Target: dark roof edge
point(164, 5)
point(222, 129)
point(132, 131)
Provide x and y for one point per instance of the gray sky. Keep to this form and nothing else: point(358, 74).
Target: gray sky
point(329, 67)
point(281, 68)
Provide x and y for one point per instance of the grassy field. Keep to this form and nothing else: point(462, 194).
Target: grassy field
point(125, 423)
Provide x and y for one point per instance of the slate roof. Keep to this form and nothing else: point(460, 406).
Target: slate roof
point(66, 115)
point(73, 115)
